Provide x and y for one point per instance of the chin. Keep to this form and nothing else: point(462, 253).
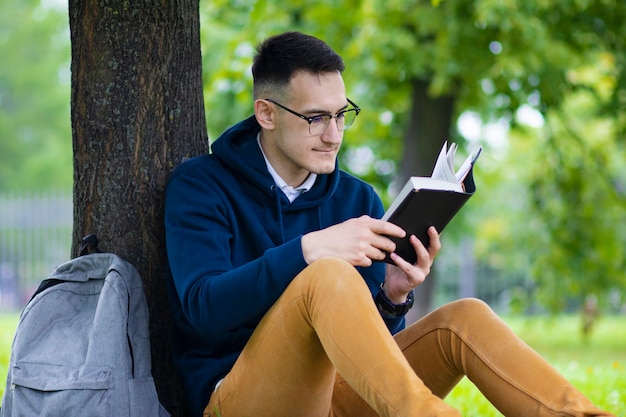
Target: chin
point(324, 169)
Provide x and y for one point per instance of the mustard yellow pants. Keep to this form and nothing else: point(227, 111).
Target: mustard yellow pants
point(323, 350)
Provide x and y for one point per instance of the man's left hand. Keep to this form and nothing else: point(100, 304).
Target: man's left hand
point(402, 277)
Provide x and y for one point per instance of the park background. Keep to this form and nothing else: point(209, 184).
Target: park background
point(540, 85)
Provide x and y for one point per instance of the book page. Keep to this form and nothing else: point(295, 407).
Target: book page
point(467, 165)
point(444, 167)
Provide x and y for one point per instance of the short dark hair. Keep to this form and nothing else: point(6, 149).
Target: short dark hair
point(279, 57)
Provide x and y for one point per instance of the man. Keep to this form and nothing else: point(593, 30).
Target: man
point(282, 305)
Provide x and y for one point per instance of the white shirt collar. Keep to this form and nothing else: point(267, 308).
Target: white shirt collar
point(291, 192)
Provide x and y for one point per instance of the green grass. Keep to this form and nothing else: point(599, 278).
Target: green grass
point(597, 366)
point(8, 322)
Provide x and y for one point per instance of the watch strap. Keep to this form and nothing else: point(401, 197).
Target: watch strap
point(390, 310)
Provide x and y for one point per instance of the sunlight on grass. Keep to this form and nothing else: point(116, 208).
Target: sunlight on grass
point(8, 323)
point(596, 366)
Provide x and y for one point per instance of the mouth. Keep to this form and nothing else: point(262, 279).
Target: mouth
point(328, 151)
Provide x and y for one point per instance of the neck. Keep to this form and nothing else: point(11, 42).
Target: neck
point(293, 179)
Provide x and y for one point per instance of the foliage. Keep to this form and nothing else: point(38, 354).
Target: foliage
point(35, 137)
point(228, 81)
point(582, 202)
point(541, 183)
point(562, 181)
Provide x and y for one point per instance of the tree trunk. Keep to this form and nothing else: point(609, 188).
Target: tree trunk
point(137, 111)
point(430, 124)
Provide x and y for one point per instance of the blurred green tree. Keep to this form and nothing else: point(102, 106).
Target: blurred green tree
point(416, 67)
point(35, 135)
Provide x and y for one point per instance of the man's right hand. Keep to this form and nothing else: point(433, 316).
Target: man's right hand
point(358, 241)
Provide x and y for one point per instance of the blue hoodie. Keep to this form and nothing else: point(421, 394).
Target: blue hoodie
point(234, 245)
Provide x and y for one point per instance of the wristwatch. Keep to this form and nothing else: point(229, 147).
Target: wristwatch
point(390, 310)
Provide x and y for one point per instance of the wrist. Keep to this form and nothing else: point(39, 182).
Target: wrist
point(388, 308)
point(308, 248)
point(394, 297)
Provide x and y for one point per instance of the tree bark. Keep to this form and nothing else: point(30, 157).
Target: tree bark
point(430, 124)
point(137, 111)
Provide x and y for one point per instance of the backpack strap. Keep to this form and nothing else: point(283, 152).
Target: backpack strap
point(90, 245)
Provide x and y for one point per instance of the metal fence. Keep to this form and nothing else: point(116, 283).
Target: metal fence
point(459, 274)
point(35, 236)
point(36, 233)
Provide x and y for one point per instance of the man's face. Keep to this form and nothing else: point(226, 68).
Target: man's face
point(291, 149)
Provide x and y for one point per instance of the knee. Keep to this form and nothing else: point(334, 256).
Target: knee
point(331, 263)
point(333, 270)
point(469, 309)
point(332, 274)
point(471, 306)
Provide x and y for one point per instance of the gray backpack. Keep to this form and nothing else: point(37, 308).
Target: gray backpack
point(82, 345)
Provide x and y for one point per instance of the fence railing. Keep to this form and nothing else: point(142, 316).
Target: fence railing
point(35, 236)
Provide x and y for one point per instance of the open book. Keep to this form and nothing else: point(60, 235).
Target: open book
point(431, 201)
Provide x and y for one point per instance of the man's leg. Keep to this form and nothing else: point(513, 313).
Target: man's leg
point(467, 338)
point(324, 321)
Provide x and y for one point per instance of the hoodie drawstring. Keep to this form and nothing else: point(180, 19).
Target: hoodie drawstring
point(279, 210)
point(319, 217)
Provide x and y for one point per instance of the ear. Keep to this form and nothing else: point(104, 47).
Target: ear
point(264, 113)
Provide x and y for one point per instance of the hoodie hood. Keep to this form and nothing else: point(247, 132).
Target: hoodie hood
point(237, 148)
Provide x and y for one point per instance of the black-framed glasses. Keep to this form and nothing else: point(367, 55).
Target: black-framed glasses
point(319, 123)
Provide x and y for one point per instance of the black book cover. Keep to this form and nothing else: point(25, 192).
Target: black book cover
point(424, 208)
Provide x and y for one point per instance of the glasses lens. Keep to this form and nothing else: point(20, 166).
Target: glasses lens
point(349, 116)
point(318, 124)
point(344, 120)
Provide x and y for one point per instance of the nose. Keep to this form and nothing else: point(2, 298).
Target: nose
point(332, 134)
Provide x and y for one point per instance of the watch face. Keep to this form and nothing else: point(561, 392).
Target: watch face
point(410, 299)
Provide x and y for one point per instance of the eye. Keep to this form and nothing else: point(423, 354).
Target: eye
point(341, 114)
point(321, 119)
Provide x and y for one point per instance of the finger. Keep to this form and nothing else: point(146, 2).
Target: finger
point(377, 254)
point(414, 275)
point(420, 250)
point(401, 263)
point(383, 244)
point(379, 247)
point(434, 244)
point(382, 227)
